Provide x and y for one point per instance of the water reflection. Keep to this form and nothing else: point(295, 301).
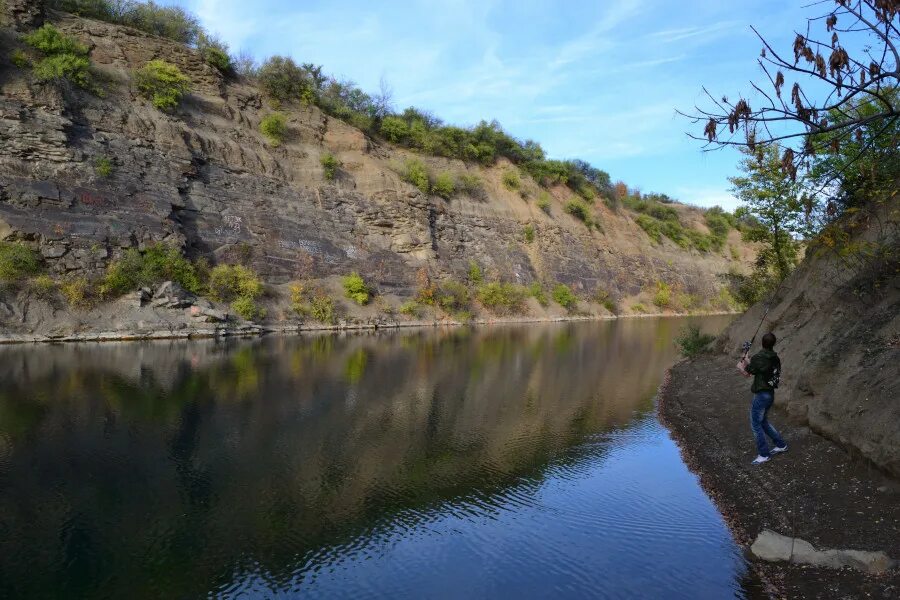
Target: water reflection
point(334, 465)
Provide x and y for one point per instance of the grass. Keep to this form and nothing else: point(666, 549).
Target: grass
point(528, 233)
point(17, 262)
point(543, 202)
point(691, 342)
point(415, 172)
point(511, 180)
point(103, 167)
point(638, 308)
point(536, 291)
point(663, 296)
point(580, 210)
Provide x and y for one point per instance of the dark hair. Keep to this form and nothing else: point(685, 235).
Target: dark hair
point(768, 341)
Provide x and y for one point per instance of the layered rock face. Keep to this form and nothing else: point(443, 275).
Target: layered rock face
point(205, 179)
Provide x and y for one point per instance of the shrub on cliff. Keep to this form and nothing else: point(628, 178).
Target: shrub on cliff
point(663, 296)
point(543, 202)
point(240, 286)
point(691, 341)
point(416, 173)
point(330, 165)
point(355, 288)
point(564, 296)
point(321, 307)
point(274, 127)
point(536, 291)
point(64, 60)
point(502, 298)
point(17, 262)
point(443, 185)
point(283, 80)
point(154, 265)
point(579, 210)
point(162, 83)
point(215, 52)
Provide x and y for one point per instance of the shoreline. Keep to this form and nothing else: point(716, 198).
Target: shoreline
point(187, 331)
point(817, 491)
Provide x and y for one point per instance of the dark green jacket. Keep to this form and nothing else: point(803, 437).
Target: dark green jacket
point(761, 366)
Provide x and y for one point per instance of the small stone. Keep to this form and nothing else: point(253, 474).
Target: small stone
point(54, 251)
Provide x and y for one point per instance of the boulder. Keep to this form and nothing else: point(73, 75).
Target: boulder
point(171, 295)
point(208, 314)
point(774, 547)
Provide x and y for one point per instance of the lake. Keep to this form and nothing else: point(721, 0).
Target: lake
point(509, 461)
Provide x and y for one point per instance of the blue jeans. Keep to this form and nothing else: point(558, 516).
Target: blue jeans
point(762, 402)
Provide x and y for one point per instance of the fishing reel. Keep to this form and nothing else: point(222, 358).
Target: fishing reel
point(745, 347)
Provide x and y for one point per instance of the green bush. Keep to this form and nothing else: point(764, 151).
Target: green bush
point(162, 83)
point(284, 81)
point(443, 185)
point(330, 165)
point(528, 232)
point(394, 129)
point(103, 167)
point(248, 309)
point(17, 262)
point(411, 308)
point(651, 227)
point(154, 265)
point(65, 59)
point(229, 282)
point(215, 52)
point(321, 308)
point(166, 21)
point(62, 67)
point(663, 296)
point(502, 298)
point(355, 288)
point(691, 341)
point(51, 41)
point(579, 210)
point(475, 274)
point(274, 127)
point(638, 308)
point(564, 296)
point(511, 180)
point(543, 202)
point(416, 173)
point(536, 291)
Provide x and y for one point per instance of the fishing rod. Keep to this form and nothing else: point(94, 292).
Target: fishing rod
point(747, 345)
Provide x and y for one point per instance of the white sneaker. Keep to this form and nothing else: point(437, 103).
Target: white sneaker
point(760, 460)
point(777, 450)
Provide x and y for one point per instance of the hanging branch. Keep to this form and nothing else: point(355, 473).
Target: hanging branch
point(795, 123)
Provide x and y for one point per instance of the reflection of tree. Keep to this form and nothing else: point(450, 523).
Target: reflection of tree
point(170, 477)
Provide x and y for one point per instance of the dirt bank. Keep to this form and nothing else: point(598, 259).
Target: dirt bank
point(816, 491)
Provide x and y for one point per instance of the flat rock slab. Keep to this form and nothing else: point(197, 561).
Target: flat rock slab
point(775, 547)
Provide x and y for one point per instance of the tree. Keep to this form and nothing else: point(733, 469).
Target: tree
point(819, 116)
point(774, 199)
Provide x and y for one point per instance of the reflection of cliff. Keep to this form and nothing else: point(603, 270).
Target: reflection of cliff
point(169, 464)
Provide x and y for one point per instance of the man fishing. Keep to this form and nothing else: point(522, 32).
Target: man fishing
point(765, 367)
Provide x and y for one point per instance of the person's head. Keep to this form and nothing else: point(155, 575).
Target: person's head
point(768, 341)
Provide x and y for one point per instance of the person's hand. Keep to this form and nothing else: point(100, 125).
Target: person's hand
point(742, 367)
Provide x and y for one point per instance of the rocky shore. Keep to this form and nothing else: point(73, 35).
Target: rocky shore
point(839, 514)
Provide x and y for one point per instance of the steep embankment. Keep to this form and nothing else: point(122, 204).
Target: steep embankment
point(205, 179)
point(837, 318)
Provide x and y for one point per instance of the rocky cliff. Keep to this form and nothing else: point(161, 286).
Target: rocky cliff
point(205, 179)
point(837, 318)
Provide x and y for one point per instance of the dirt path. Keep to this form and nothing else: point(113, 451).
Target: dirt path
point(815, 491)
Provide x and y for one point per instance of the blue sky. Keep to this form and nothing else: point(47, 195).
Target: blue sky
point(594, 80)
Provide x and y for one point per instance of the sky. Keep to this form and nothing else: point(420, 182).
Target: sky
point(596, 80)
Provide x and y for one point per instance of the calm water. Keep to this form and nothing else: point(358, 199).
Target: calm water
point(508, 462)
